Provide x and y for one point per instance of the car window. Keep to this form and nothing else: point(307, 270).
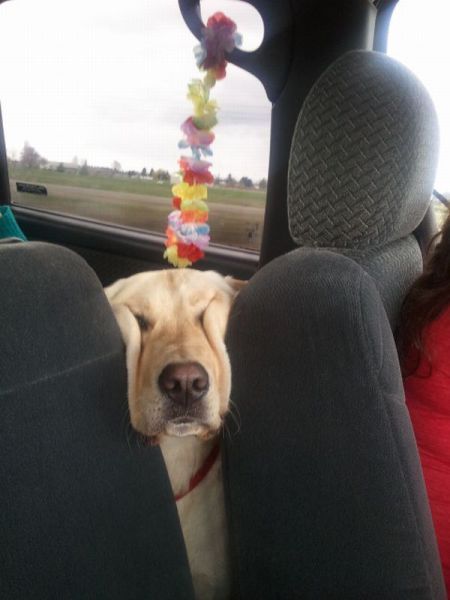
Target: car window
point(418, 37)
point(93, 94)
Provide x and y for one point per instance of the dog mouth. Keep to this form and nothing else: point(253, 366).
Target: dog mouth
point(184, 419)
point(184, 426)
point(181, 427)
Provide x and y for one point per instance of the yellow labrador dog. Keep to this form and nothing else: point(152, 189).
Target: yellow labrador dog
point(173, 324)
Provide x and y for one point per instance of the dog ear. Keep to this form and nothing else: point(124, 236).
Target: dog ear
point(113, 289)
point(236, 284)
point(215, 318)
point(131, 335)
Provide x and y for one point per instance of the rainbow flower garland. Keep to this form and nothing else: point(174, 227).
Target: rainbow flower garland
point(188, 231)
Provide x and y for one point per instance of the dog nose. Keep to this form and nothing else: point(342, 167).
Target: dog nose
point(184, 383)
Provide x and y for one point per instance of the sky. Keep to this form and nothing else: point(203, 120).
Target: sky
point(419, 39)
point(106, 80)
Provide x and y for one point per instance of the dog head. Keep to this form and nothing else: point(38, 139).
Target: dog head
point(173, 324)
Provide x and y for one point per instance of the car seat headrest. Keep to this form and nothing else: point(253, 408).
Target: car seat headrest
point(363, 155)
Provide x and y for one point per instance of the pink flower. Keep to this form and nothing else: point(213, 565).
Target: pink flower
point(194, 136)
point(191, 163)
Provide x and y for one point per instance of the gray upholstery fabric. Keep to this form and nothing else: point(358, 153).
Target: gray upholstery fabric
point(393, 267)
point(325, 494)
point(84, 511)
point(362, 166)
point(363, 155)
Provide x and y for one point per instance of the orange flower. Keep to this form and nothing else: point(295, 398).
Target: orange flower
point(171, 237)
point(194, 216)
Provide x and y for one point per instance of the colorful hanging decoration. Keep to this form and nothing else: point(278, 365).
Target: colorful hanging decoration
point(188, 231)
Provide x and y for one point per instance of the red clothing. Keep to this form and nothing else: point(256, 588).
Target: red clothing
point(428, 400)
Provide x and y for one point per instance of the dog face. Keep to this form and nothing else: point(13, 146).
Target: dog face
point(173, 324)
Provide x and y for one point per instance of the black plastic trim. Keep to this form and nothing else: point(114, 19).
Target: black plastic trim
point(323, 31)
point(385, 11)
point(5, 192)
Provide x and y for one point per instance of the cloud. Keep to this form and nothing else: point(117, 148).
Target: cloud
point(108, 81)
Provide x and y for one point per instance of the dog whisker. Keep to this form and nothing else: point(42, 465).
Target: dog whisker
point(226, 432)
point(129, 434)
point(236, 417)
point(126, 425)
point(235, 407)
point(132, 439)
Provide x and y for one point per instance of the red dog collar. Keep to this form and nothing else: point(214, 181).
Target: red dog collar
point(202, 472)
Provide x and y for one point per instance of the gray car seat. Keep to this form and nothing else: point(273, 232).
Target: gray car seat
point(324, 487)
point(85, 513)
point(362, 168)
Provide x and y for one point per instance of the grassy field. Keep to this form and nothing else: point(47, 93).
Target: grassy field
point(131, 185)
point(236, 216)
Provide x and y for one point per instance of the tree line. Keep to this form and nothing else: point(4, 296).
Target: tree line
point(31, 159)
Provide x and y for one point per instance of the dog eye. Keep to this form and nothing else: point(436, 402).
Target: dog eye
point(143, 323)
point(201, 317)
point(201, 314)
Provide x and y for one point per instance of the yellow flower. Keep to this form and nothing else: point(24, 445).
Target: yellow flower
point(210, 78)
point(190, 192)
point(193, 205)
point(204, 108)
point(171, 254)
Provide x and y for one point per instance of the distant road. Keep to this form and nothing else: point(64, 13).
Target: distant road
point(111, 199)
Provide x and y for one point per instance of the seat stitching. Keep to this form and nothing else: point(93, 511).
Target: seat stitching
point(57, 374)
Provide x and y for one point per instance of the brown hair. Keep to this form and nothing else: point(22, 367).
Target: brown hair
point(427, 298)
